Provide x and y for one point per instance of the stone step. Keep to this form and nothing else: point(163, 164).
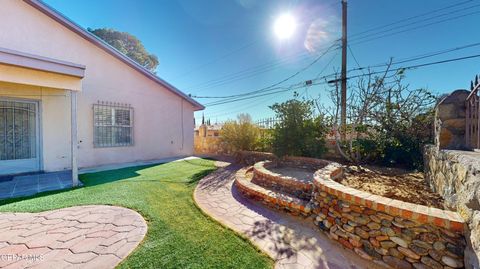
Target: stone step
point(264, 177)
point(271, 198)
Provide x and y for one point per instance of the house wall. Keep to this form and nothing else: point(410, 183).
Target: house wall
point(163, 121)
point(55, 125)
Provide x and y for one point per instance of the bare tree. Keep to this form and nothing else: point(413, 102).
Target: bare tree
point(378, 105)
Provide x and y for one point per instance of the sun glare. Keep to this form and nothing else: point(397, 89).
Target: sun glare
point(285, 26)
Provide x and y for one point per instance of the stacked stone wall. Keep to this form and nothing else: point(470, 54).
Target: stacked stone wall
point(455, 175)
point(387, 231)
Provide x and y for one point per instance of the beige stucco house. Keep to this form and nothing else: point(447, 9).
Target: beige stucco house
point(69, 100)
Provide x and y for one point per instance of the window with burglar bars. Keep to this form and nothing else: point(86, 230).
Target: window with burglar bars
point(113, 125)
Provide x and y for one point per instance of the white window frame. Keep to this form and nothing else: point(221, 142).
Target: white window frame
point(113, 107)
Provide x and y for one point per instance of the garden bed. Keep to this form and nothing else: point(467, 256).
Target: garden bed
point(392, 183)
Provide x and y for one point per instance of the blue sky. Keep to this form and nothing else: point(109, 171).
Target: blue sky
point(225, 47)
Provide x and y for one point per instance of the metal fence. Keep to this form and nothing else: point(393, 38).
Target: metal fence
point(267, 123)
point(472, 133)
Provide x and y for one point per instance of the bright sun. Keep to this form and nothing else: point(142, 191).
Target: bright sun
point(285, 26)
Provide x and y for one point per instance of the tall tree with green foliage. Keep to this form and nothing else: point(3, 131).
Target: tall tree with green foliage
point(129, 45)
point(298, 132)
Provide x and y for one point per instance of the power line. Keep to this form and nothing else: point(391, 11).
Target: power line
point(413, 66)
point(413, 28)
point(277, 83)
point(300, 85)
point(411, 18)
point(420, 57)
point(410, 59)
point(250, 72)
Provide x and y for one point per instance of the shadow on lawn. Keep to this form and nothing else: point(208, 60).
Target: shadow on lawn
point(122, 175)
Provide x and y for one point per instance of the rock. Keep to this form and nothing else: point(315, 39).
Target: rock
point(369, 211)
point(422, 244)
point(452, 262)
point(381, 251)
point(420, 266)
point(346, 209)
point(438, 246)
point(352, 223)
point(373, 225)
point(362, 254)
point(408, 223)
point(430, 262)
point(384, 216)
point(386, 223)
point(341, 233)
point(374, 233)
point(368, 248)
point(388, 244)
point(355, 243)
point(320, 217)
point(327, 224)
point(428, 237)
point(398, 224)
point(361, 220)
point(407, 252)
point(399, 241)
point(454, 251)
point(362, 233)
point(436, 255)
point(419, 250)
point(345, 243)
point(396, 263)
point(333, 235)
point(348, 228)
point(419, 229)
point(395, 253)
point(387, 231)
point(334, 228)
point(348, 216)
point(407, 233)
point(374, 242)
point(356, 208)
point(375, 219)
point(382, 238)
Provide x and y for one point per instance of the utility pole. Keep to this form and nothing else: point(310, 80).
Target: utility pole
point(344, 72)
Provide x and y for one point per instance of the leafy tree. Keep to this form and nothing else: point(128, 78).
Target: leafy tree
point(129, 45)
point(298, 132)
point(241, 134)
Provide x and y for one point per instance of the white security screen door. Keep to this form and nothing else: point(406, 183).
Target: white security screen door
point(19, 137)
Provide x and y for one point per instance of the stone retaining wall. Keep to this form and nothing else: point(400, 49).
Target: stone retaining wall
point(456, 176)
point(266, 178)
point(387, 231)
point(251, 157)
point(293, 205)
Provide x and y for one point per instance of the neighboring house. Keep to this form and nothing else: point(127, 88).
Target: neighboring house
point(69, 100)
point(207, 139)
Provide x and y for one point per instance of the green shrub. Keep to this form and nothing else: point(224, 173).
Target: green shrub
point(241, 134)
point(298, 132)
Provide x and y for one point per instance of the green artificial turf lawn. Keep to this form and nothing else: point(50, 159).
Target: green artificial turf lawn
point(179, 235)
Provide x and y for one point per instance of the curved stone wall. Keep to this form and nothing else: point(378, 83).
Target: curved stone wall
point(265, 177)
point(270, 198)
point(387, 231)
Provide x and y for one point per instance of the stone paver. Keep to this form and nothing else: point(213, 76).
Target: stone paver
point(76, 237)
point(292, 242)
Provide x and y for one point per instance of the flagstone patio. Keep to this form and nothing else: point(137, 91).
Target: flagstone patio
point(75, 237)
